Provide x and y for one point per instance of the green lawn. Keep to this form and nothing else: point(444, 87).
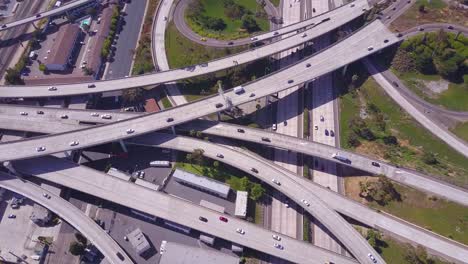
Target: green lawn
point(233, 30)
point(165, 101)
point(413, 138)
point(454, 98)
point(275, 2)
point(442, 217)
point(395, 251)
point(461, 130)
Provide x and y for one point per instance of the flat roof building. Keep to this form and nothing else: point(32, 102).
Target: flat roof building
point(241, 204)
point(203, 183)
point(138, 241)
point(151, 106)
point(181, 254)
point(63, 48)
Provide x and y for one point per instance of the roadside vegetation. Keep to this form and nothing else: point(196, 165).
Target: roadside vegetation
point(372, 124)
point(182, 52)
point(430, 11)
point(143, 62)
point(433, 65)
point(461, 130)
point(106, 46)
point(430, 212)
point(394, 251)
point(226, 19)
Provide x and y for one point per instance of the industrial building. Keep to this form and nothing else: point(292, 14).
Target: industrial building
point(61, 54)
point(138, 241)
point(182, 254)
point(202, 183)
point(241, 204)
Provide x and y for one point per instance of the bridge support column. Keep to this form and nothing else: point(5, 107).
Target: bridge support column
point(173, 130)
point(345, 68)
point(219, 116)
point(122, 144)
point(10, 168)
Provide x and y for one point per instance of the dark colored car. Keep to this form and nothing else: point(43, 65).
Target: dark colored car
point(375, 164)
point(266, 139)
point(395, 84)
point(230, 43)
point(219, 105)
point(224, 219)
point(170, 119)
point(308, 65)
point(254, 170)
point(203, 219)
point(240, 130)
point(38, 15)
point(290, 81)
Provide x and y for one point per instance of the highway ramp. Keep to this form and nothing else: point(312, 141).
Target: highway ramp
point(68, 212)
point(370, 39)
point(171, 208)
point(338, 17)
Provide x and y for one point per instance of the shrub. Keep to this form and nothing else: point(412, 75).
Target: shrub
point(42, 67)
point(429, 158)
point(13, 76)
point(249, 23)
point(76, 249)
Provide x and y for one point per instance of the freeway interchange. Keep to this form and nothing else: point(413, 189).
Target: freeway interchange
point(321, 203)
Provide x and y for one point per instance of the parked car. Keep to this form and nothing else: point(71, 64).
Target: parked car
point(12, 216)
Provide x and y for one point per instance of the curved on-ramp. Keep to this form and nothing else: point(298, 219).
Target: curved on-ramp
point(374, 35)
point(337, 17)
point(171, 208)
point(68, 212)
point(401, 229)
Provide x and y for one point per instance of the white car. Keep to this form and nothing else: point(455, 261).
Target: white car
point(52, 88)
point(304, 35)
point(372, 258)
point(278, 246)
point(162, 248)
point(74, 143)
point(130, 131)
point(94, 114)
point(24, 113)
point(46, 195)
point(240, 231)
point(370, 48)
point(275, 181)
point(305, 202)
point(40, 149)
point(276, 237)
point(322, 119)
point(274, 127)
point(106, 116)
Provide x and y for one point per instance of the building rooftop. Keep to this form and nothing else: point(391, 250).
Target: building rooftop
point(151, 106)
point(182, 254)
point(202, 182)
point(241, 203)
point(63, 43)
point(138, 241)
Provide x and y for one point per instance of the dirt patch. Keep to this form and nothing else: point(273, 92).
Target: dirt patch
point(371, 149)
point(352, 188)
point(437, 87)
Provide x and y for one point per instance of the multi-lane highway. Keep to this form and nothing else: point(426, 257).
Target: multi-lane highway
point(173, 209)
point(346, 206)
point(38, 16)
point(337, 18)
point(74, 216)
point(47, 123)
point(370, 39)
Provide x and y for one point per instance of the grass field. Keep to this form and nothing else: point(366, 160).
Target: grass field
point(442, 217)
point(413, 139)
point(275, 2)
point(435, 11)
point(461, 130)
point(395, 251)
point(454, 98)
point(215, 9)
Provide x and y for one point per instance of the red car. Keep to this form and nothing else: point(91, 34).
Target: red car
point(224, 219)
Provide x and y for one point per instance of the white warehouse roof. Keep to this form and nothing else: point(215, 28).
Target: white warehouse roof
point(207, 184)
point(241, 204)
point(182, 254)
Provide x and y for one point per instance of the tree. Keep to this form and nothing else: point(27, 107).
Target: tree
point(249, 23)
point(198, 157)
point(390, 140)
point(199, 134)
point(42, 67)
point(375, 239)
point(216, 164)
point(13, 76)
point(131, 96)
point(192, 132)
point(367, 134)
point(257, 191)
point(429, 158)
point(189, 158)
point(244, 184)
point(88, 71)
point(81, 238)
point(383, 191)
point(354, 78)
point(76, 249)
point(353, 140)
point(422, 8)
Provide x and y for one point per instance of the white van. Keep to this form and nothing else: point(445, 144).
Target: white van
point(239, 90)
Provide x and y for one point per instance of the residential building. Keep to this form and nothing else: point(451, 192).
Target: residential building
point(63, 49)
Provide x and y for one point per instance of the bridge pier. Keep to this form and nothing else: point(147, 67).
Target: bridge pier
point(124, 147)
point(345, 68)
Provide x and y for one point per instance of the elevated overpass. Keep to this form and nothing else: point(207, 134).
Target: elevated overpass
point(39, 16)
point(337, 17)
point(374, 37)
point(68, 212)
point(173, 209)
point(384, 222)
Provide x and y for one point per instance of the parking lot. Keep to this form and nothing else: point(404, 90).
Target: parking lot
point(18, 235)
